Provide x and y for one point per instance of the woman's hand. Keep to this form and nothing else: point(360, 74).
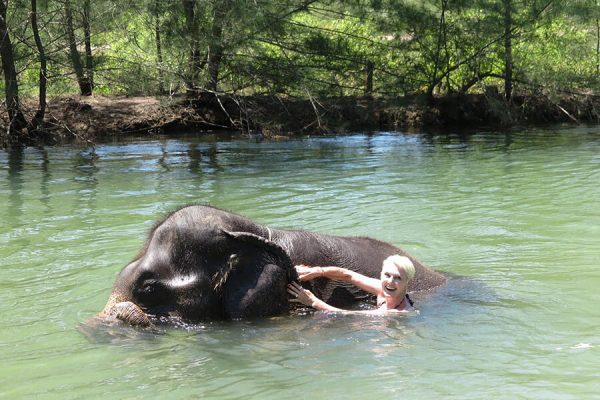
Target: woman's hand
point(306, 273)
point(302, 295)
point(307, 298)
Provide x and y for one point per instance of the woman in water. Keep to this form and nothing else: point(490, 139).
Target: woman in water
point(390, 289)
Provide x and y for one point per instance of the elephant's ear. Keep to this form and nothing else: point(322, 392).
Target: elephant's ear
point(282, 257)
point(254, 282)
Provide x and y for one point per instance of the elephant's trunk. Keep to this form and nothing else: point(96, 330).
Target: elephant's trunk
point(125, 311)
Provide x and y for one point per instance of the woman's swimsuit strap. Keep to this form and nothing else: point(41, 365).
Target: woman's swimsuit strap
point(410, 301)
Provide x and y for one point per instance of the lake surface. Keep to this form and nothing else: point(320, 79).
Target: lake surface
point(514, 218)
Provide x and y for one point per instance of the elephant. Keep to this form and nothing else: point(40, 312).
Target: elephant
point(203, 263)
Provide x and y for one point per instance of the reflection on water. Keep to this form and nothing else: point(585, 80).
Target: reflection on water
point(45, 179)
point(512, 217)
point(15, 186)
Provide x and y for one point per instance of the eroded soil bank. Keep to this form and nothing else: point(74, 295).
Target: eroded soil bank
point(91, 118)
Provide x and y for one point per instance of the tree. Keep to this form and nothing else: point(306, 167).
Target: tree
point(158, 42)
point(38, 118)
point(195, 63)
point(508, 58)
point(215, 45)
point(83, 80)
point(17, 120)
point(87, 32)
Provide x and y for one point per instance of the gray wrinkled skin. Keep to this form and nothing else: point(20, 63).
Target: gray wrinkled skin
point(202, 263)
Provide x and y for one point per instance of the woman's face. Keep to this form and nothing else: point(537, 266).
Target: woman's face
point(393, 280)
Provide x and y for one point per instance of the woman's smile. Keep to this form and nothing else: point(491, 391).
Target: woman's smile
point(390, 289)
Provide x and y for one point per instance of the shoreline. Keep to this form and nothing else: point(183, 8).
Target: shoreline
point(87, 119)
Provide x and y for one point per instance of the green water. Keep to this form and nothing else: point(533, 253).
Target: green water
point(514, 217)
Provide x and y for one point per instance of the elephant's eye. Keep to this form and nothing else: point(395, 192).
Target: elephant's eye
point(151, 291)
point(234, 259)
point(150, 285)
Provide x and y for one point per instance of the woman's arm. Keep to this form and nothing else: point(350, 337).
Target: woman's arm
point(370, 285)
point(307, 298)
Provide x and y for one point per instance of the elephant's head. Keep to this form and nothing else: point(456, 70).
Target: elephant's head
point(201, 271)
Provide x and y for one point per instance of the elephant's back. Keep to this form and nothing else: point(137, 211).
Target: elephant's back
point(364, 255)
point(369, 254)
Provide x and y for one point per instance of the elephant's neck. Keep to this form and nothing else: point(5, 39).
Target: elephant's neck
point(290, 239)
point(262, 230)
point(252, 227)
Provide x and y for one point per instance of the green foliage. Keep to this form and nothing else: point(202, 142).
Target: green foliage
point(315, 48)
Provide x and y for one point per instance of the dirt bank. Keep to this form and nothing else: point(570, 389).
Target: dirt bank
point(90, 118)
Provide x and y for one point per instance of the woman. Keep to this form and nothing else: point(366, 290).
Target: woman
point(390, 289)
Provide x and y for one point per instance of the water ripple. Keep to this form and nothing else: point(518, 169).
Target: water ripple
point(512, 217)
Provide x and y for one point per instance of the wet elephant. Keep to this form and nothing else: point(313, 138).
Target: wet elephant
point(202, 263)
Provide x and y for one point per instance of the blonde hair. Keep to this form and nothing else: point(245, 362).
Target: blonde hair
point(402, 263)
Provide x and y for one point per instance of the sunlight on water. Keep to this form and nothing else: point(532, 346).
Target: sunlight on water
point(514, 218)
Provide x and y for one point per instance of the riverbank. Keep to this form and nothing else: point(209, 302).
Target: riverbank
point(88, 119)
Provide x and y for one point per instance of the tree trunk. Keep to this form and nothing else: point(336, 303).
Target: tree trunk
point(159, 57)
point(597, 44)
point(13, 105)
point(85, 88)
point(434, 81)
point(194, 60)
point(38, 118)
point(215, 52)
point(214, 64)
point(87, 32)
point(508, 59)
point(369, 78)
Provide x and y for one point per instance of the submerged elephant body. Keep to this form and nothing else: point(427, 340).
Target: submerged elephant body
point(203, 263)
